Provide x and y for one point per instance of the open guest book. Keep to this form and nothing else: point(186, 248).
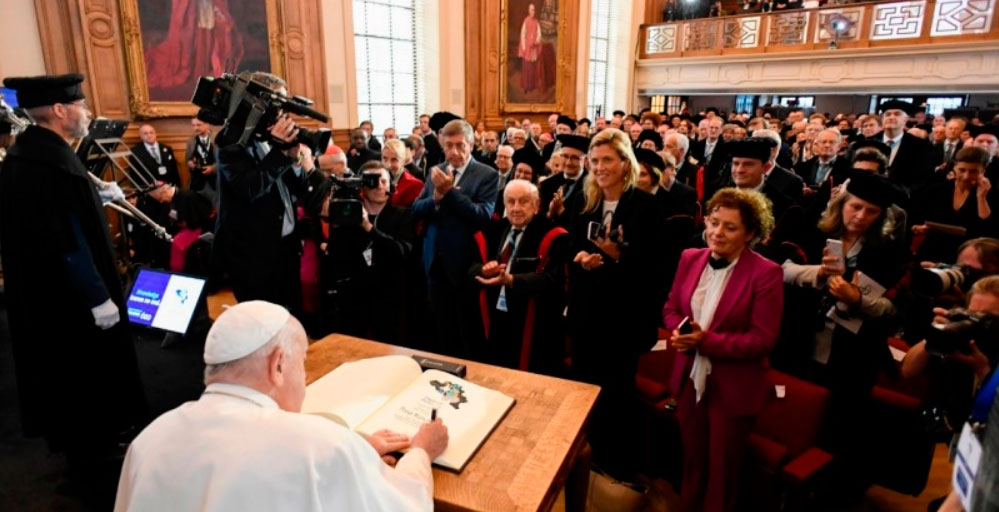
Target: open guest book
point(392, 392)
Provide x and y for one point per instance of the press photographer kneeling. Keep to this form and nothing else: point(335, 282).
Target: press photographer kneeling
point(963, 347)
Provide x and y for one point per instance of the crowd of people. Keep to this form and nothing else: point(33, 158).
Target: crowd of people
point(783, 239)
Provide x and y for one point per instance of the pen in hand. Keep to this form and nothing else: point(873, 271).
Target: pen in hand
point(433, 414)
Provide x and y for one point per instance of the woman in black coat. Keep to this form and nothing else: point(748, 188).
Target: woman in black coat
point(614, 291)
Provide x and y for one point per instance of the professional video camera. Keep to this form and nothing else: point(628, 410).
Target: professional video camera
point(962, 327)
point(345, 207)
point(247, 109)
point(937, 280)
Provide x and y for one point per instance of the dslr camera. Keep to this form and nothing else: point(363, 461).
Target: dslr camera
point(937, 280)
point(962, 327)
point(247, 109)
point(345, 208)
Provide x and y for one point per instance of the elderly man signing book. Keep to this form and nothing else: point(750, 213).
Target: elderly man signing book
point(244, 445)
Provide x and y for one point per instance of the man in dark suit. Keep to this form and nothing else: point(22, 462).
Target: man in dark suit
point(678, 145)
point(826, 163)
point(704, 150)
point(255, 237)
point(944, 151)
point(490, 144)
point(359, 152)
point(369, 136)
point(988, 138)
point(200, 157)
point(780, 178)
point(750, 163)
point(910, 165)
point(457, 200)
point(558, 190)
point(518, 277)
point(157, 158)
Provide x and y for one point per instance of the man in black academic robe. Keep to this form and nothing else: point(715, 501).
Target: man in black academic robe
point(570, 180)
point(77, 374)
point(532, 283)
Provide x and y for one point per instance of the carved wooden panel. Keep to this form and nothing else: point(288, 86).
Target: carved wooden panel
point(741, 32)
point(959, 17)
point(854, 14)
point(661, 39)
point(897, 20)
point(789, 28)
point(700, 35)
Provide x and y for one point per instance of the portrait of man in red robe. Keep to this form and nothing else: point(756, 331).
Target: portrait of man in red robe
point(184, 40)
point(532, 40)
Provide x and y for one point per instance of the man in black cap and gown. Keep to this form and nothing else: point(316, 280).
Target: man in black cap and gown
point(564, 125)
point(77, 374)
point(910, 164)
point(569, 182)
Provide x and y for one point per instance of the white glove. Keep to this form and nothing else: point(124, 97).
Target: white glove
point(105, 315)
point(110, 191)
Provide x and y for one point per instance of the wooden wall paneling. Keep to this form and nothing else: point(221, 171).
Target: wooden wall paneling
point(305, 64)
point(105, 66)
point(59, 30)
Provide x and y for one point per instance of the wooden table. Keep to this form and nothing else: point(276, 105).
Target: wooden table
point(539, 447)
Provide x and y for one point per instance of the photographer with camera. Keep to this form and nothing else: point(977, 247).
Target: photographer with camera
point(961, 348)
point(364, 263)
point(256, 241)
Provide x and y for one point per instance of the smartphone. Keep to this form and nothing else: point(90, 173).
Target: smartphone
point(685, 327)
point(594, 231)
point(836, 249)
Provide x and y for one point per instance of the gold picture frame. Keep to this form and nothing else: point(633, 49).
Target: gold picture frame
point(135, 62)
point(562, 55)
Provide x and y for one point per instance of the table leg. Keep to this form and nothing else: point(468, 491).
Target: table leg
point(578, 482)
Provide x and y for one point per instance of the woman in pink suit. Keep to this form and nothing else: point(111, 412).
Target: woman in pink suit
point(733, 298)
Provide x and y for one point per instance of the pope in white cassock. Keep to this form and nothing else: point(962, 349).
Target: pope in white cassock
point(243, 446)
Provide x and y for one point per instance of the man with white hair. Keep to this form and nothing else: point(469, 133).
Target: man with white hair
point(529, 256)
point(677, 144)
point(825, 164)
point(244, 445)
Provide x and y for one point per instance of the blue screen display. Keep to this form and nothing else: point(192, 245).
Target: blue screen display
point(162, 300)
point(9, 96)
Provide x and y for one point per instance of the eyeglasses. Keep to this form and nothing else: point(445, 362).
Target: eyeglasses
point(81, 104)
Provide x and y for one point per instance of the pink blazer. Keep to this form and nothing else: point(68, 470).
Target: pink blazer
point(743, 332)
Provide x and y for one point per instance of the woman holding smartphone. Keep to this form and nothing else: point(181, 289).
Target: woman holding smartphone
point(852, 246)
point(731, 299)
point(616, 240)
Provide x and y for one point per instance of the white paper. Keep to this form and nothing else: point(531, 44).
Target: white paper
point(869, 289)
point(660, 345)
point(969, 454)
point(349, 394)
point(781, 390)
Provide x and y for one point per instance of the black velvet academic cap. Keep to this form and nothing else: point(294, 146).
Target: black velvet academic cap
point(37, 91)
point(575, 142)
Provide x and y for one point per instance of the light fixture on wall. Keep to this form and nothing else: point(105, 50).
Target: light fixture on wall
point(838, 25)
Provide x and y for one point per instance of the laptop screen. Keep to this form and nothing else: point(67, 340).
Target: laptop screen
point(162, 300)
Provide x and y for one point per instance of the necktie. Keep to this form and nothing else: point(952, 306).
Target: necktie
point(950, 151)
point(508, 247)
point(567, 187)
point(155, 151)
point(891, 148)
point(457, 175)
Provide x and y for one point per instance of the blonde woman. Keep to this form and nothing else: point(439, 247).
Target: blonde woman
point(614, 303)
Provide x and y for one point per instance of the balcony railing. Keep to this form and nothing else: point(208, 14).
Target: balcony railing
point(869, 25)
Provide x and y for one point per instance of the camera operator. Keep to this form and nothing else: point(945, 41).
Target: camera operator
point(962, 349)
point(256, 240)
point(364, 264)
point(944, 285)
